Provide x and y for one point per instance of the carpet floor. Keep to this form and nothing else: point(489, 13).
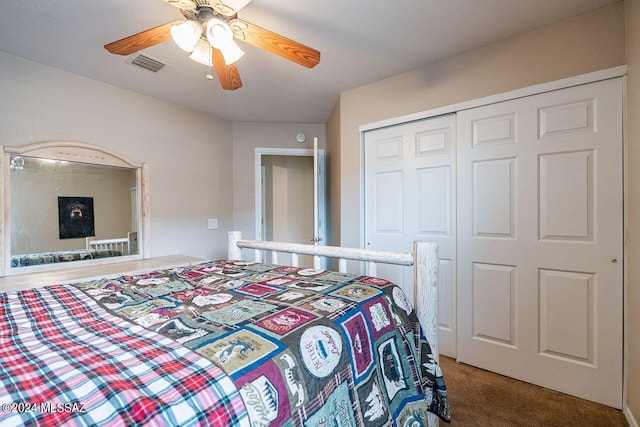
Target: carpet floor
point(481, 398)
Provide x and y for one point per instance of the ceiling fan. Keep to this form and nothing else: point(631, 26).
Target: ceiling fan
point(208, 33)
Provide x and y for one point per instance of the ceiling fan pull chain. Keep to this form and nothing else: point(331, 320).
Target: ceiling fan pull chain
point(209, 75)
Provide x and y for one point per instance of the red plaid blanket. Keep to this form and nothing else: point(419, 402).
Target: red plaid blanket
point(65, 360)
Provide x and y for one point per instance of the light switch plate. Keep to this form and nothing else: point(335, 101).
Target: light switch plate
point(212, 223)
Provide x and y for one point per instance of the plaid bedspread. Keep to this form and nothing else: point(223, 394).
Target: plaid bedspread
point(66, 361)
point(225, 343)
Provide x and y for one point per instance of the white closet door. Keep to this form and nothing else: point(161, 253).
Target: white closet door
point(540, 240)
point(410, 195)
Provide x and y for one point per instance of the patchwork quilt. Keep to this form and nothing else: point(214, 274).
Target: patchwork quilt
point(222, 343)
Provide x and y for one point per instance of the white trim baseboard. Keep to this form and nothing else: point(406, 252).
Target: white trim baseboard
point(629, 416)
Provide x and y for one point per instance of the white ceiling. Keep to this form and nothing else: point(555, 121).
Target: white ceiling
point(361, 41)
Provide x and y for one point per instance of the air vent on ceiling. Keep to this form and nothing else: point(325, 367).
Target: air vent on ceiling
point(146, 62)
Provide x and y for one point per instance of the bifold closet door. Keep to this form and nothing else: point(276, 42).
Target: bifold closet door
point(540, 223)
point(410, 195)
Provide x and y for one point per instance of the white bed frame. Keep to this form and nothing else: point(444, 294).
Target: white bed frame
point(125, 245)
point(424, 260)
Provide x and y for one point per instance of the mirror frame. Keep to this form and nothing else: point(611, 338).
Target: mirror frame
point(78, 152)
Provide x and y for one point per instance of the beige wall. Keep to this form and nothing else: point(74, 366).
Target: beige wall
point(589, 42)
point(276, 198)
point(247, 136)
point(34, 203)
point(189, 153)
point(333, 176)
point(633, 202)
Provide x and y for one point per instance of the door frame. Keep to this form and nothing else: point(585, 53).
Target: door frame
point(305, 152)
point(609, 73)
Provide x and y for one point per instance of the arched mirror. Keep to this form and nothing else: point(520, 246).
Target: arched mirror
point(69, 204)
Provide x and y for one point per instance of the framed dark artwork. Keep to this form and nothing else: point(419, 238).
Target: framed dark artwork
point(75, 217)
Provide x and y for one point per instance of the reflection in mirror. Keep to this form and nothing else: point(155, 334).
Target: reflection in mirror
point(68, 211)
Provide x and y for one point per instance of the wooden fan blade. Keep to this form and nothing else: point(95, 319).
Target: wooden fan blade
point(228, 74)
point(142, 40)
point(275, 43)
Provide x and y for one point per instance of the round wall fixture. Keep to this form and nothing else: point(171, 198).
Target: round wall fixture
point(301, 137)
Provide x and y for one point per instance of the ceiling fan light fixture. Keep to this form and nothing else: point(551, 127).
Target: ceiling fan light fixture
point(231, 53)
point(202, 53)
point(186, 35)
point(220, 37)
point(218, 33)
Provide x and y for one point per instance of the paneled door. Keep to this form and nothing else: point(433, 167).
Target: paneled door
point(540, 223)
point(410, 195)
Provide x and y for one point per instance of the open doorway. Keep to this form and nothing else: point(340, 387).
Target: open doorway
point(288, 201)
point(285, 198)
